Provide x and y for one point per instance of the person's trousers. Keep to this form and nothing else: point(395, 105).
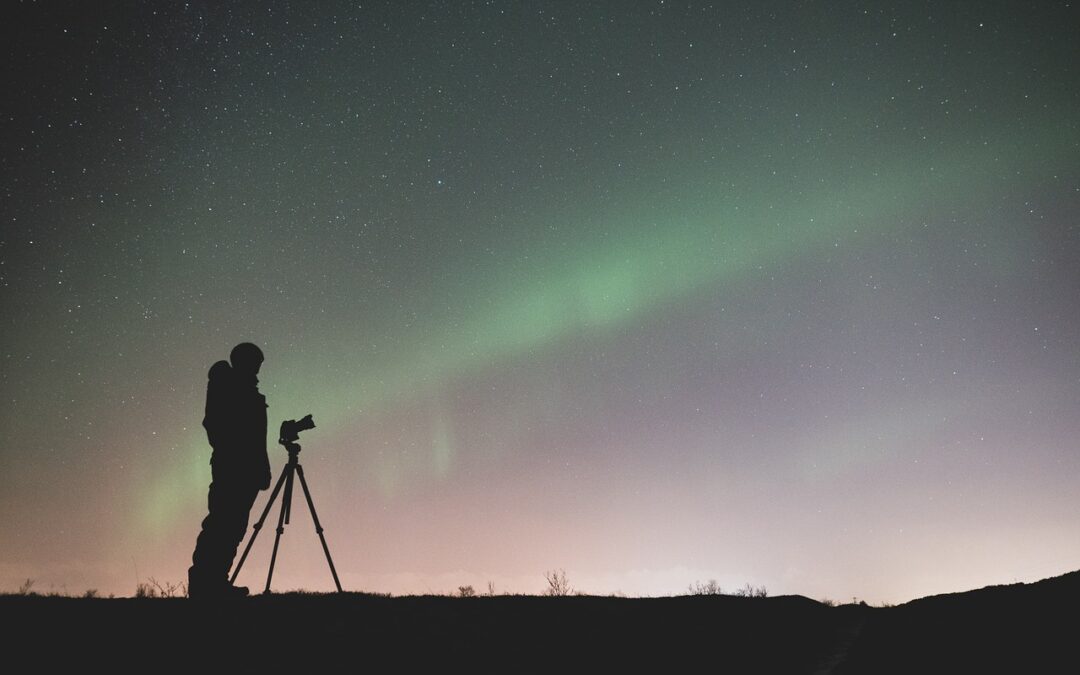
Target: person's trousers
point(229, 505)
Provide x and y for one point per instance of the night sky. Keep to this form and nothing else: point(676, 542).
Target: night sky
point(653, 292)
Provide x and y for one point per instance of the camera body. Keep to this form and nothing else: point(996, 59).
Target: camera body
point(290, 429)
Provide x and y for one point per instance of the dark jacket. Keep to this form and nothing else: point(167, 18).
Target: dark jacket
point(235, 424)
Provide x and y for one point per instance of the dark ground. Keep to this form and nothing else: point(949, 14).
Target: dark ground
point(1018, 628)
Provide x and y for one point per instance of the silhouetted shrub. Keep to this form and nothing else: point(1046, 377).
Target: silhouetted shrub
point(558, 586)
point(710, 587)
point(151, 588)
point(750, 591)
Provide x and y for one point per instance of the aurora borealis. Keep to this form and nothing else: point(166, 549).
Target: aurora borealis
point(653, 292)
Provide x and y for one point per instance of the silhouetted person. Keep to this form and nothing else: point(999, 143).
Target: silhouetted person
point(235, 425)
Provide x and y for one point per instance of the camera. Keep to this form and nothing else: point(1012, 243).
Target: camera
point(290, 429)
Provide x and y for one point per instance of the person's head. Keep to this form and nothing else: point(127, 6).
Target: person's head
point(246, 358)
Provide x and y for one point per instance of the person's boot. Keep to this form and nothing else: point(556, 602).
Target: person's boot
point(201, 587)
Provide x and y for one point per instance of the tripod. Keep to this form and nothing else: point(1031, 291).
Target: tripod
point(292, 468)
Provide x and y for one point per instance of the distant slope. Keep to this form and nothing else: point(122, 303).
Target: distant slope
point(1018, 628)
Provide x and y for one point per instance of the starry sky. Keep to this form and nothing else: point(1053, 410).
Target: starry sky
point(654, 292)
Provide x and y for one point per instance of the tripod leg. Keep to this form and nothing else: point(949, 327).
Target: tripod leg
point(258, 525)
point(318, 527)
point(281, 522)
point(288, 499)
